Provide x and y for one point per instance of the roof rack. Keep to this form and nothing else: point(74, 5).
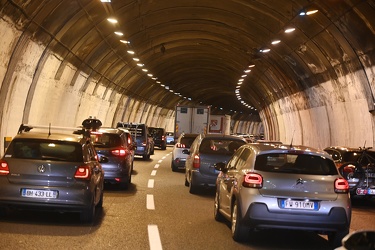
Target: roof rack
point(28, 127)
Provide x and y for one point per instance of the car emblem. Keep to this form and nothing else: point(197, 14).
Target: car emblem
point(299, 181)
point(41, 169)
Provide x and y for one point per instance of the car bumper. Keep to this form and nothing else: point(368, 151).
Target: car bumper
point(259, 216)
point(198, 179)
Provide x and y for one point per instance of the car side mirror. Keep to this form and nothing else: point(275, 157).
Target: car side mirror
point(220, 166)
point(186, 151)
point(362, 239)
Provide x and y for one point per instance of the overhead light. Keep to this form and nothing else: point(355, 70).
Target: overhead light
point(265, 50)
point(275, 42)
point(150, 75)
point(307, 13)
point(119, 33)
point(112, 20)
point(124, 41)
point(145, 70)
point(240, 80)
point(140, 64)
point(251, 65)
point(289, 30)
point(243, 76)
point(131, 52)
point(105, 1)
point(136, 59)
point(247, 71)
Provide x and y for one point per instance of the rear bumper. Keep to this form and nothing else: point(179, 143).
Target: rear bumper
point(258, 216)
point(198, 179)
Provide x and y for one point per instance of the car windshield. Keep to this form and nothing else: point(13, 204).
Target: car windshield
point(219, 146)
point(46, 150)
point(106, 140)
point(295, 163)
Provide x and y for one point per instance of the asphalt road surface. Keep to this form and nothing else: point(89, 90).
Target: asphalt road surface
point(156, 212)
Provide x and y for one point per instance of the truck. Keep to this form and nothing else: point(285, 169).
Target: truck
point(191, 120)
point(219, 124)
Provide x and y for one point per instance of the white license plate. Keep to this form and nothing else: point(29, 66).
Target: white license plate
point(299, 204)
point(370, 191)
point(370, 175)
point(37, 193)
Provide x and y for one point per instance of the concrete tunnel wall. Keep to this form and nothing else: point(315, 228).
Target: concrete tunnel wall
point(37, 88)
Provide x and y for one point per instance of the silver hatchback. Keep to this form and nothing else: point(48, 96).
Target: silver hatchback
point(282, 186)
point(50, 170)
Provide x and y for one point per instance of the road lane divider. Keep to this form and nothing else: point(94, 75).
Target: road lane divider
point(154, 237)
point(150, 202)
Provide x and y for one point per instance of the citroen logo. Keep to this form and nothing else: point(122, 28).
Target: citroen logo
point(41, 169)
point(299, 181)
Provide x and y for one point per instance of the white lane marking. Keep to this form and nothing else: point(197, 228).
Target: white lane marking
point(154, 237)
point(153, 172)
point(150, 183)
point(159, 161)
point(157, 166)
point(150, 202)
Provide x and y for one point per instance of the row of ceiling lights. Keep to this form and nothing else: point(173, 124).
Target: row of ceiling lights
point(137, 60)
point(266, 50)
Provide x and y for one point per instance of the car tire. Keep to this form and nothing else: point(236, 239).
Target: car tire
point(146, 157)
point(335, 238)
point(186, 182)
point(193, 189)
point(174, 169)
point(88, 215)
point(217, 215)
point(100, 203)
point(239, 231)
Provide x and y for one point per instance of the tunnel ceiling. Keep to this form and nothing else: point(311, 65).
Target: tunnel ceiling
point(197, 52)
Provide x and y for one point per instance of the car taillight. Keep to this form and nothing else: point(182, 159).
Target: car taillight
point(83, 173)
point(144, 143)
point(118, 152)
point(163, 138)
point(180, 145)
point(196, 161)
point(349, 168)
point(253, 180)
point(341, 186)
point(4, 168)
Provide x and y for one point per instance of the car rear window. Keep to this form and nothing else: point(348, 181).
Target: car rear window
point(219, 146)
point(136, 130)
point(187, 141)
point(295, 163)
point(106, 140)
point(46, 150)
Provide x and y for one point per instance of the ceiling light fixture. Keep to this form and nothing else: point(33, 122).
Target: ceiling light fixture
point(124, 41)
point(289, 30)
point(275, 42)
point(265, 50)
point(119, 33)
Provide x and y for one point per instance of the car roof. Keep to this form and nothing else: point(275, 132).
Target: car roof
point(52, 136)
point(221, 136)
point(112, 130)
point(262, 148)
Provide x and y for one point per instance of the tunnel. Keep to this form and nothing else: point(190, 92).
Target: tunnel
point(299, 71)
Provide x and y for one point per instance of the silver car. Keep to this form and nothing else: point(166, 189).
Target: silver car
point(206, 150)
point(50, 170)
point(184, 142)
point(282, 186)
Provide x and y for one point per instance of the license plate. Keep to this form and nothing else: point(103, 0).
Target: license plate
point(37, 193)
point(370, 175)
point(294, 204)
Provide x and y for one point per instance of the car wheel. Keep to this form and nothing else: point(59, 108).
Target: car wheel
point(100, 203)
point(88, 215)
point(218, 216)
point(335, 238)
point(186, 182)
point(146, 157)
point(239, 231)
point(174, 169)
point(193, 189)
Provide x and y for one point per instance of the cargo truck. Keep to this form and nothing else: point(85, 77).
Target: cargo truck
point(191, 120)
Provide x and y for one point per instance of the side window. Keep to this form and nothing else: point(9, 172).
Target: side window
point(245, 154)
point(233, 161)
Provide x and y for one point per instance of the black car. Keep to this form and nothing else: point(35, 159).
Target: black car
point(117, 146)
point(139, 132)
point(160, 137)
point(357, 165)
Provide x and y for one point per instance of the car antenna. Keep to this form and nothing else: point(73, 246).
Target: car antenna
point(291, 142)
point(49, 129)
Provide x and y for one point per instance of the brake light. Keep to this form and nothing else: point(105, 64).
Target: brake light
point(163, 138)
point(180, 145)
point(4, 168)
point(196, 161)
point(83, 173)
point(341, 186)
point(349, 168)
point(144, 143)
point(119, 152)
point(253, 180)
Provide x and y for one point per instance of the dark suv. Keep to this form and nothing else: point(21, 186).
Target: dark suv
point(139, 132)
point(357, 165)
point(51, 168)
point(159, 135)
point(117, 146)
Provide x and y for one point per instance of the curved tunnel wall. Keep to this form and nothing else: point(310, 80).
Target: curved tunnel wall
point(38, 87)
